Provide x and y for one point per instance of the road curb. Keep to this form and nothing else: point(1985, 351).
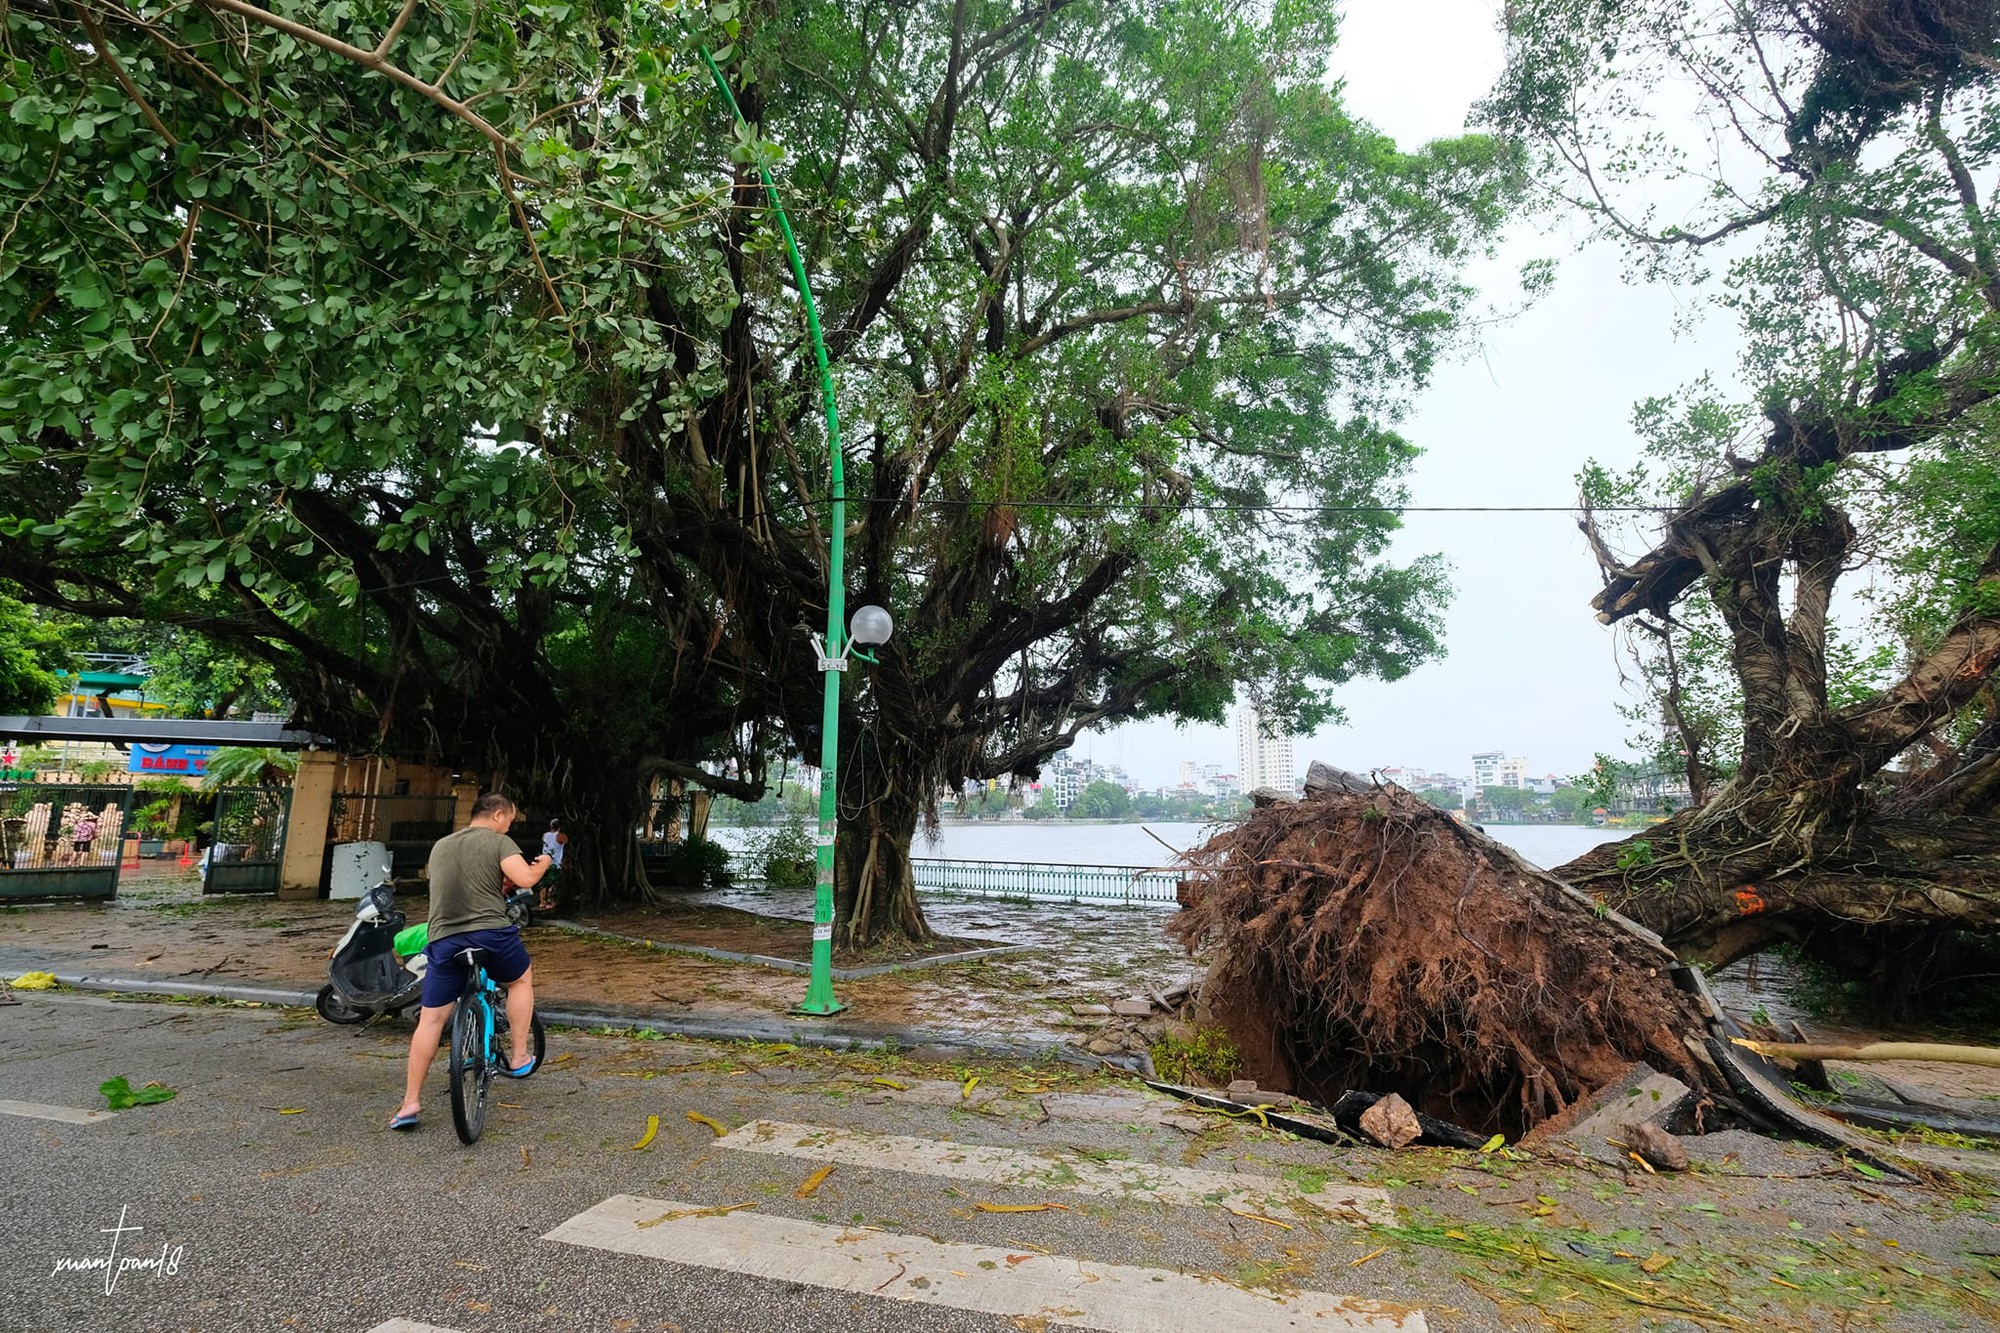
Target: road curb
point(835, 1036)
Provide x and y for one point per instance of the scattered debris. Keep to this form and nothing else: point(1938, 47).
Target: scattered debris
point(652, 1128)
point(1657, 1147)
point(812, 1183)
point(1391, 1123)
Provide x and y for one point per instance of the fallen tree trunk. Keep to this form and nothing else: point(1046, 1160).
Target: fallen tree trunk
point(1876, 1050)
point(1366, 940)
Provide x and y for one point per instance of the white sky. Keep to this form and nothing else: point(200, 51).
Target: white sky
point(1528, 669)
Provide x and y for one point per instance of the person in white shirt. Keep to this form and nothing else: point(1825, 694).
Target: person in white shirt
point(553, 843)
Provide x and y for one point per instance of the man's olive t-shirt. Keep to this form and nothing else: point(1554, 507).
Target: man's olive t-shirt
point(465, 881)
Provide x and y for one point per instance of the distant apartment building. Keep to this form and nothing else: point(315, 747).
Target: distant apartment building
point(1494, 769)
point(1263, 759)
point(1062, 782)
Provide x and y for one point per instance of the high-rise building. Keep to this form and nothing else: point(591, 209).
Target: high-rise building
point(1263, 758)
point(1486, 769)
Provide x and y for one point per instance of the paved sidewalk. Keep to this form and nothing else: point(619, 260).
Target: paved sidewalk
point(167, 935)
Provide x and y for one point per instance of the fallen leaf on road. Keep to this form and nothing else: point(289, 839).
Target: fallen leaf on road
point(714, 1124)
point(892, 1083)
point(1372, 1254)
point(812, 1182)
point(970, 1084)
point(1497, 1141)
point(680, 1213)
point(652, 1128)
point(1016, 1260)
point(291, 1110)
point(526, 1161)
point(1654, 1263)
point(1021, 1207)
point(1259, 1217)
point(121, 1096)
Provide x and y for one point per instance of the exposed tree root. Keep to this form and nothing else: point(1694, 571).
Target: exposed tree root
point(1368, 940)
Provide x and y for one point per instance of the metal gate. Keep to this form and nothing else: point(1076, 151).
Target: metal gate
point(249, 840)
point(61, 840)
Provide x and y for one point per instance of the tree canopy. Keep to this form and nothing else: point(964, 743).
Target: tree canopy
point(446, 358)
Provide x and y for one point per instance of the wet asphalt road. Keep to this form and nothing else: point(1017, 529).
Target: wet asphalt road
point(287, 1206)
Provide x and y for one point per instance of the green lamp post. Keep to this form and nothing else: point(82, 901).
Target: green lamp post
point(872, 625)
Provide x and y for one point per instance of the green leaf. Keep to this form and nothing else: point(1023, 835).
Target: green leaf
point(121, 1095)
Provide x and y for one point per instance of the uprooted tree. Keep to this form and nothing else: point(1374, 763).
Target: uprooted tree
point(1369, 940)
point(1857, 811)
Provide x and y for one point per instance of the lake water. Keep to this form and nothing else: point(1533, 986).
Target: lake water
point(1043, 843)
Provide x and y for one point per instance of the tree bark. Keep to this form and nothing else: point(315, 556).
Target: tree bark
point(874, 884)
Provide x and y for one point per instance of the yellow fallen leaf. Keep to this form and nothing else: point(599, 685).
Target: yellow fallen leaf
point(1032, 1088)
point(1497, 1141)
point(526, 1161)
point(34, 981)
point(812, 1182)
point(970, 1084)
point(1021, 1207)
point(714, 1124)
point(1372, 1254)
point(1455, 1234)
point(291, 1110)
point(1259, 1217)
point(892, 1083)
point(1654, 1263)
point(652, 1128)
point(1643, 1162)
point(1793, 1285)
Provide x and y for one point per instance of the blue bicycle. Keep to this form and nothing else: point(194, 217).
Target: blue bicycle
point(479, 1037)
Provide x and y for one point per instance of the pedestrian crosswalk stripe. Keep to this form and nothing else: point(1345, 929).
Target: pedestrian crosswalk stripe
point(1066, 1291)
point(1069, 1173)
point(69, 1115)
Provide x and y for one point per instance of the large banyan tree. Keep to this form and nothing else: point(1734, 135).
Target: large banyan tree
point(448, 354)
point(1843, 743)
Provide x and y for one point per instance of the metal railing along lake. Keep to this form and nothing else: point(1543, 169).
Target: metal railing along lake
point(1035, 882)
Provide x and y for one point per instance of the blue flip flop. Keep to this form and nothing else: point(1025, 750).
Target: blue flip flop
point(405, 1122)
point(521, 1071)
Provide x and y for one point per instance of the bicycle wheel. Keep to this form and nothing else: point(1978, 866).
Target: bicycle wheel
point(471, 1070)
point(503, 1043)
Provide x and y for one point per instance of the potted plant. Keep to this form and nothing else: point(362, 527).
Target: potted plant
point(153, 822)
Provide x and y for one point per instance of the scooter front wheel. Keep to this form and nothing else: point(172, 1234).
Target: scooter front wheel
point(336, 1010)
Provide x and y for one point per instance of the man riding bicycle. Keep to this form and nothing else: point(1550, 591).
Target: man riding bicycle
point(469, 911)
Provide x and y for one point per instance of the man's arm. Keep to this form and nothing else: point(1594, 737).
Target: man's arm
point(524, 872)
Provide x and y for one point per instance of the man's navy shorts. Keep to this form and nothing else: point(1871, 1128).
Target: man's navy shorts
point(444, 978)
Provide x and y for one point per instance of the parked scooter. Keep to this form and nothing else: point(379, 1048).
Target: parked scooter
point(366, 979)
